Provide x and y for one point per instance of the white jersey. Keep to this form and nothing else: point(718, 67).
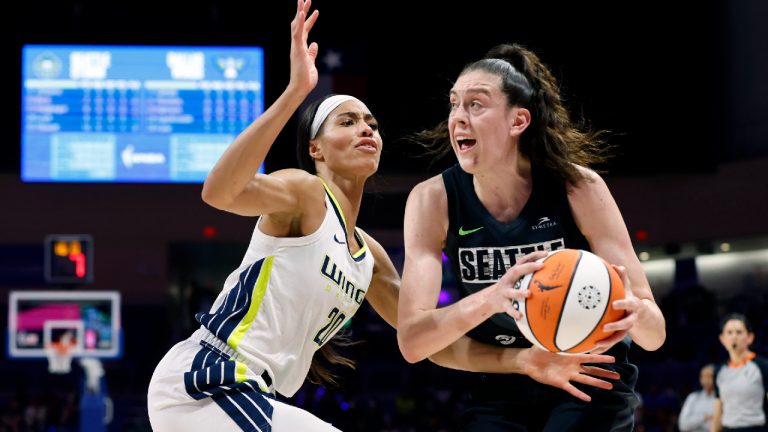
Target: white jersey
point(290, 296)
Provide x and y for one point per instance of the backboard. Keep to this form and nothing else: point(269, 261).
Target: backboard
point(90, 320)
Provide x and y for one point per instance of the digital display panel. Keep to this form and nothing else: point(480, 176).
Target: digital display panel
point(68, 259)
point(155, 114)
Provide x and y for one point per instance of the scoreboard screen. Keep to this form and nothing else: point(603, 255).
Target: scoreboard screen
point(146, 114)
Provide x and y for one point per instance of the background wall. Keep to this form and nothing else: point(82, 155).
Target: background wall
point(134, 226)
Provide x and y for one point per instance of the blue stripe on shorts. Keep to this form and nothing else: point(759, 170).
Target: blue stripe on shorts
point(213, 376)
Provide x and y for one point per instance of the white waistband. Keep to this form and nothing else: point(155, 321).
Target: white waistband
point(204, 335)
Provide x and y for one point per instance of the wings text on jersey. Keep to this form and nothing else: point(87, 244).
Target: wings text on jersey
point(339, 279)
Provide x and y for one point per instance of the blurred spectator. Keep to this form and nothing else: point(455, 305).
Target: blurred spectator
point(699, 406)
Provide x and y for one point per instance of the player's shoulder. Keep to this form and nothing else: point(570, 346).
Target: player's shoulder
point(299, 180)
point(305, 188)
point(431, 188)
point(590, 183)
point(296, 175)
point(588, 175)
point(427, 202)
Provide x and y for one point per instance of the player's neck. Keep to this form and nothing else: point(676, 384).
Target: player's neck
point(739, 359)
point(349, 194)
point(504, 191)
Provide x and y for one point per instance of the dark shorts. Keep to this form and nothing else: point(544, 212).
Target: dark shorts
point(518, 403)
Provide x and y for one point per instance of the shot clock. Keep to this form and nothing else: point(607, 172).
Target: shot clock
point(68, 259)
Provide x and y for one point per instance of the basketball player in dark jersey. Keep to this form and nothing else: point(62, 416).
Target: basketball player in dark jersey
point(521, 185)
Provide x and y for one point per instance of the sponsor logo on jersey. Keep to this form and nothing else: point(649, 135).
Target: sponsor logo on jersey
point(488, 264)
point(463, 232)
point(544, 222)
point(505, 339)
point(338, 241)
point(346, 287)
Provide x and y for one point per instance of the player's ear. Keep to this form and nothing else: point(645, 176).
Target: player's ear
point(315, 150)
point(518, 118)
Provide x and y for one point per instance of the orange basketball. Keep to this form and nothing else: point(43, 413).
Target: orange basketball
point(570, 301)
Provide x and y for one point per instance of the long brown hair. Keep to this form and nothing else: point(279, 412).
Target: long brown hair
point(321, 371)
point(552, 140)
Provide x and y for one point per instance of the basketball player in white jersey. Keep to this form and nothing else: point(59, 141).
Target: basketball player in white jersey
point(306, 271)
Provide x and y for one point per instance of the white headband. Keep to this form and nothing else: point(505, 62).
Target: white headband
point(324, 110)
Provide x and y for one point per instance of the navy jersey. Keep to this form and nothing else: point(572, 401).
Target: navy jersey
point(481, 249)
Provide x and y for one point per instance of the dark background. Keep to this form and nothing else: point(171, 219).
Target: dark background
point(681, 87)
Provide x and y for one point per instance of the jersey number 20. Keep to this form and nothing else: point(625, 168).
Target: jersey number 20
point(335, 318)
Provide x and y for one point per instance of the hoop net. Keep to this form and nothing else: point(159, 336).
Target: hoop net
point(60, 357)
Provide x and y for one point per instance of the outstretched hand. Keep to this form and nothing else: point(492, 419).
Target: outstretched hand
point(560, 370)
point(303, 56)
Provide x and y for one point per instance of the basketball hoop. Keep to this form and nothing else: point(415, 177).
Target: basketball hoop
point(60, 356)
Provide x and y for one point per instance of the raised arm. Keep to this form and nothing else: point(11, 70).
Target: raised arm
point(600, 220)
point(233, 184)
point(424, 329)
